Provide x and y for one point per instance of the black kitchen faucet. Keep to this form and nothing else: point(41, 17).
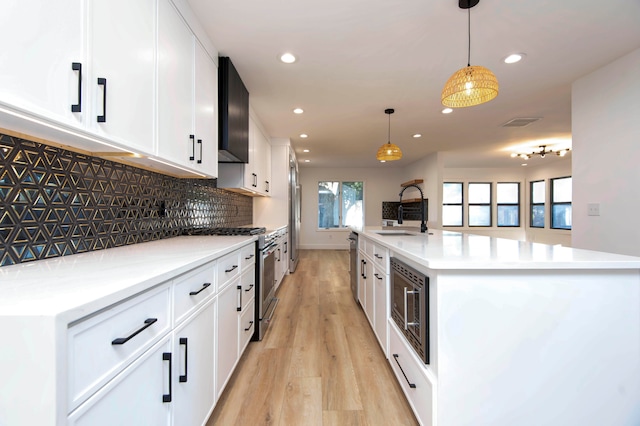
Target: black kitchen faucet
point(423, 223)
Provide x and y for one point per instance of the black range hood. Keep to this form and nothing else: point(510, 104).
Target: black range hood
point(233, 117)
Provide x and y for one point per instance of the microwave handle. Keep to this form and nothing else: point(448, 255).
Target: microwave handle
point(406, 323)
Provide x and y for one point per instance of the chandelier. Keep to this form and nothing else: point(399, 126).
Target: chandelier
point(542, 151)
point(389, 151)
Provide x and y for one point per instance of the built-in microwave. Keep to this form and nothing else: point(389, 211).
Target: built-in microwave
point(410, 306)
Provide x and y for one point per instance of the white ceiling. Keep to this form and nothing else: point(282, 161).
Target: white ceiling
point(359, 57)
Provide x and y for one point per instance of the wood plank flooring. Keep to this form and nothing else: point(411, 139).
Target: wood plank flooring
point(319, 363)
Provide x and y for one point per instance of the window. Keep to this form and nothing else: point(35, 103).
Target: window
point(340, 204)
point(508, 200)
point(561, 203)
point(452, 204)
point(538, 195)
point(480, 204)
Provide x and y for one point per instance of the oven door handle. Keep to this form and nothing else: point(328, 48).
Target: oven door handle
point(406, 323)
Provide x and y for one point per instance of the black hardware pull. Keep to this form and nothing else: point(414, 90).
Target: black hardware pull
point(377, 256)
point(200, 144)
point(103, 82)
point(183, 341)
point(247, 258)
point(279, 255)
point(411, 385)
point(267, 186)
point(250, 287)
point(239, 288)
point(285, 247)
point(122, 340)
point(232, 268)
point(250, 325)
point(364, 270)
point(378, 276)
point(255, 180)
point(193, 147)
point(205, 285)
point(166, 356)
point(77, 66)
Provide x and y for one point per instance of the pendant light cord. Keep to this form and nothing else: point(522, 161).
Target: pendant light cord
point(469, 33)
point(389, 130)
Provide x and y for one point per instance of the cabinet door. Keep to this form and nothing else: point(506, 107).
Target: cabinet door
point(206, 112)
point(250, 172)
point(369, 303)
point(122, 40)
point(381, 309)
point(39, 41)
point(227, 335)
point(193, 378)
point(176, 139)
point(134, 397)
point(362, 280)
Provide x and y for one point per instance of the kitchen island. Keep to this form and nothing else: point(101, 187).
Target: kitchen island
point(519, 333)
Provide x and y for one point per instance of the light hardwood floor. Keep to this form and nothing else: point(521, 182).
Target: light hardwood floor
point(319, 363)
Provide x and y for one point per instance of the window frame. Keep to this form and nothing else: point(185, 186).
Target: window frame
point(532, 204)
point(489, 204)
point(461, 204)
point(559, 203)
point(340, 201)
point(517, 204)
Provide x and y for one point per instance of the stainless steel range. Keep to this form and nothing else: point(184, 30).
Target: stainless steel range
point(265, 270)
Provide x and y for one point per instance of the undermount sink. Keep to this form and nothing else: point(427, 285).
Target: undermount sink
point(394, 233)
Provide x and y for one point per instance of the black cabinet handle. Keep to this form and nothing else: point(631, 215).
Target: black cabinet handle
point(267, 186)
point(103, 82)
point(122, 340)
point(250, 325)
point(232, 268)
point(183, 341)
point(364, 270)
point(285, 247)
point(193, 147)
point(378, 276)
point(377, 256)
point(255, 180)
point(279, 255)
point(411, 385)
point(166, 356)
point(200, 144)
point(205, 285)
point(250, 287)
point(77, 66)
point(249, 257)
point(239, 308)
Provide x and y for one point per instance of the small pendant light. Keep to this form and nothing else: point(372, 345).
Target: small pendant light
point(389, 151)
point(471, 85)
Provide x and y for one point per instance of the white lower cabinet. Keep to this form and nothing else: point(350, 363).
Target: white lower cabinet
point(193, 368)
point(136, 396)
point(227, 351)
point(381, 309)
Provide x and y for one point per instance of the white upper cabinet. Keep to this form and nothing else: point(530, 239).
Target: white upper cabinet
point(121, 39)
point(187, 96)
point(39, 43)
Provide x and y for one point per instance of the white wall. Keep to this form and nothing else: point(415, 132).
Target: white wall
point(606, 159)
point(379, 185)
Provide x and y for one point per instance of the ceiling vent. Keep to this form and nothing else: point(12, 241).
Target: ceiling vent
point(520, 122)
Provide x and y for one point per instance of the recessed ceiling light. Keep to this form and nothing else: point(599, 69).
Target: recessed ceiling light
point(288, 58)
point(513, 58)
point(307, 161)
point(447, 111)
point(417, 135)
point(298, 111)
point(305, 150)
point(304, 135)
point(383, 161)
point(523, 164)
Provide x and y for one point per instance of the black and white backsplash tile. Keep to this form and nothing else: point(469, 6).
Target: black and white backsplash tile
point(55, 202)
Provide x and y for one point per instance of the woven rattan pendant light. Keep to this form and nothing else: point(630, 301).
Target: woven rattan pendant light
point(389, 151)
point(471, 85)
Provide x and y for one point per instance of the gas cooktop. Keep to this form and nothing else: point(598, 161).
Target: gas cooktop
point(242, 230)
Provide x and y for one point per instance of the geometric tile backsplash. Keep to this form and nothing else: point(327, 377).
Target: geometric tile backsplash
point(55, 202)
point(411, 211)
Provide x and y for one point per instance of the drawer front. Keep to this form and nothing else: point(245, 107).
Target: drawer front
point(95, 354)
point(248, 283)
point(408, 372)
point(247, 326)
point(248, 256)
point(228, 268)
point(192, 290)
point(380, 256)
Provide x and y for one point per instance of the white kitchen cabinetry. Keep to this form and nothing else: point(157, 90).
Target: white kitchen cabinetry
point(36, 72)
point(227, 334)
point(122, 40)
point(254, 177)
point(281, 257)
point(187, 95)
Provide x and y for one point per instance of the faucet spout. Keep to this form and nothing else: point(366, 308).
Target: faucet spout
point(423, 223)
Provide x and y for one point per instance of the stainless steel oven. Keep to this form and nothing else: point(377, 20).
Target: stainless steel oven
point(410, 306)
point(265, 290)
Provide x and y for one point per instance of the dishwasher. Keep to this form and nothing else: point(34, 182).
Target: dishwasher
point(353, 261)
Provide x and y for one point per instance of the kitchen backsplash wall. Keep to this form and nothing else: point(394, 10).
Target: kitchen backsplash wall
point(55, 202)
point(411, 210)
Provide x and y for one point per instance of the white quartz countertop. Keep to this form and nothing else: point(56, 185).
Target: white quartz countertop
point(454, 250)
point(73, 286)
